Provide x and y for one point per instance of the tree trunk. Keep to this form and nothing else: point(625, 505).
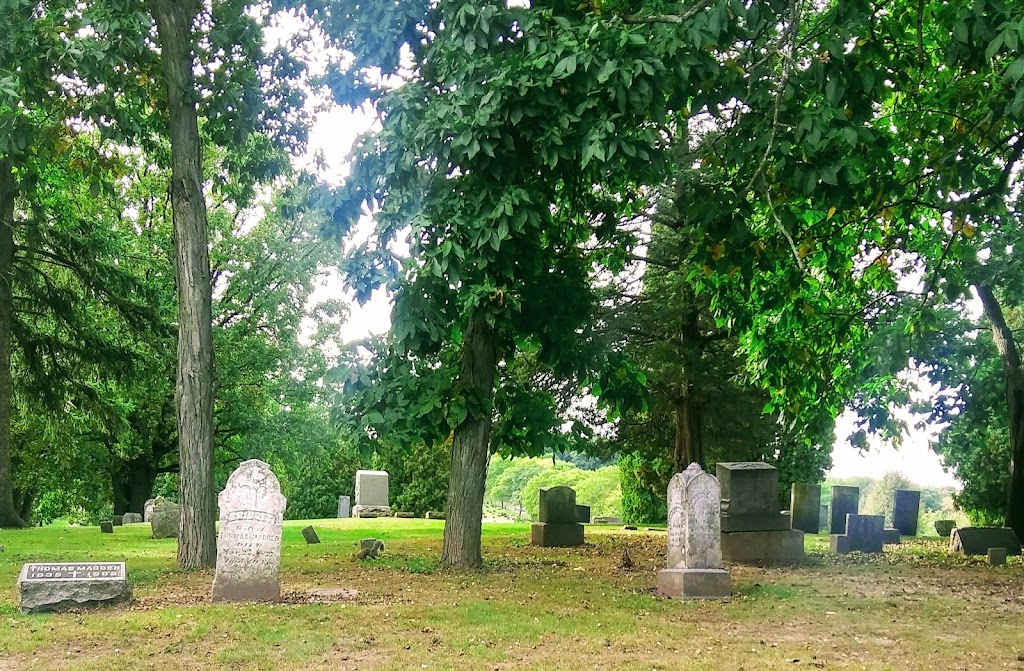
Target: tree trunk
point(197, 541)
point(689, 411)
point(464, 514)
point(8, 514)
point(132, 482)
point(1003, 337)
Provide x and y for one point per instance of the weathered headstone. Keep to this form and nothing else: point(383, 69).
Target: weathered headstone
point(890, 536)
point(978, 540)
point(132, 518)
point(405, 515)
point(606, 519)
point(117, 520)
point(582, 514)
point(996, 556)
point(371, 494)
point(944, 527)
point(309, 533)
point(344, 506)
point(845, 501)
point(45, 588)
point(107, 527)
point(754, 530)
point(694, 538)
point(249, 542)
point(435, 515)
point(824, 522)
point(164, 518)
point(805, 507)
point(147, 510)
point(558, 525)
point(864, 533)
point(906, 510)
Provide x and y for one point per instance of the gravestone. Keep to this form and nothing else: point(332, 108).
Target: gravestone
point(558, 525)
point(405, 514)
point(823, 519)
point(344, 506)
point(996, 556)
point(132, 518)
point(164, 518)
point(46, 588)
point(107, 527)
point(605, 519)
point(864, 533)
point(309, 533)
point(754, 530)
point(147, 510)
point(118, 520)
point(845, 501)
point(249, 542)
point(582, 514)
point(435, 515)
point(805, 507)
point(977, 540)
point(371, 494)
point(890, 536)
point(694, 538)
point(905, 511)
point(944, 527)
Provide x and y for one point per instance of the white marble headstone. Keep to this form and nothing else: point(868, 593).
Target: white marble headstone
point(372, 488)
point(694, 524)
point(249, 539)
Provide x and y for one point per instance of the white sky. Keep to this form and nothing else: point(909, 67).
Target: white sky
point(334, 133)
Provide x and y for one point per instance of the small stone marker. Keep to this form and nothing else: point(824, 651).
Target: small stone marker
point(845, 501)
point(558, 525)
point(996, 556)
point(582, 514)
point(906, 510)
point(434, 515)
point(344, 506)
point(890, 536)
point(107, 527)
point(805, 507)
point(371, 494)
point(978, 540)
point(309, 533)
point(249, 542)
point(118, 520)
point(45, 588)
point(605, 519)
point(405, 515)
point(164, 518)
point(694, 538)
point(944, 527)
point(147, 510)
point(864, 533)
point(132, 518)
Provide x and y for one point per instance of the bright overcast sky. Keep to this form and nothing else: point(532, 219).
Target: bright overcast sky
point(334, 133)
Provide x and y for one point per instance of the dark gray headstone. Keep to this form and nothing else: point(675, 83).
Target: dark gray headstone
point(845, 501)
point(132, 518)
point(978, 540)
point(118, 520)
point(805, 507)
point(45, 588)
point(750, 498)
point(890, 536)
point(944, 527)
point(905, 511)
point(309, 533)
point(557, 505)
point(996, 556)
point(866, 532)
point(107, 527)
point(582, 514)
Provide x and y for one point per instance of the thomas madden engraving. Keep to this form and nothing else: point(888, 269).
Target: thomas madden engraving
point(68, 585)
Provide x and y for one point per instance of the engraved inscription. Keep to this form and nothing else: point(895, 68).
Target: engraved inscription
point(75, 571)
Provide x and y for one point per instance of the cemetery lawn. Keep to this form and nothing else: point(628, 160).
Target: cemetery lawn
point(530, 608)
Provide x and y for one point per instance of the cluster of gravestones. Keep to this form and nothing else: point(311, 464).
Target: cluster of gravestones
point(372, 499)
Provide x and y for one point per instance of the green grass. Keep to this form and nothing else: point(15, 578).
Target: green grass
point(915, 607)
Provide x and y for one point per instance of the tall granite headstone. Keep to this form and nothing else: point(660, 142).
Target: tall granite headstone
point(905, 511)
point(694, 538)
point(371, 494)
point(344, 506)
point(249, 541)
point(754, 530)
point(558, 525)
point(845, 501)
point(147, 510)
point(805, 507)
point(164, 518)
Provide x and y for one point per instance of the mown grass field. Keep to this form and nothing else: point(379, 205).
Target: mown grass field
point(915, 607)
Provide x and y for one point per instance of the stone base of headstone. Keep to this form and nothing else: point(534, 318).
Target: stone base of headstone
point(107, 527)
point(944, 527)
point(604, 519)
point(55, 595)
point(694, 583)
point(769, 521)
point(371, 511)
point(890, 536)
point(309, 533)
point(839, 543)
point(405, 515)
point(132, 518)
point(996, 556)
point(555, 535)
point(764, 547)
point(582, 514)
point(978, 540)
point(434, 515)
